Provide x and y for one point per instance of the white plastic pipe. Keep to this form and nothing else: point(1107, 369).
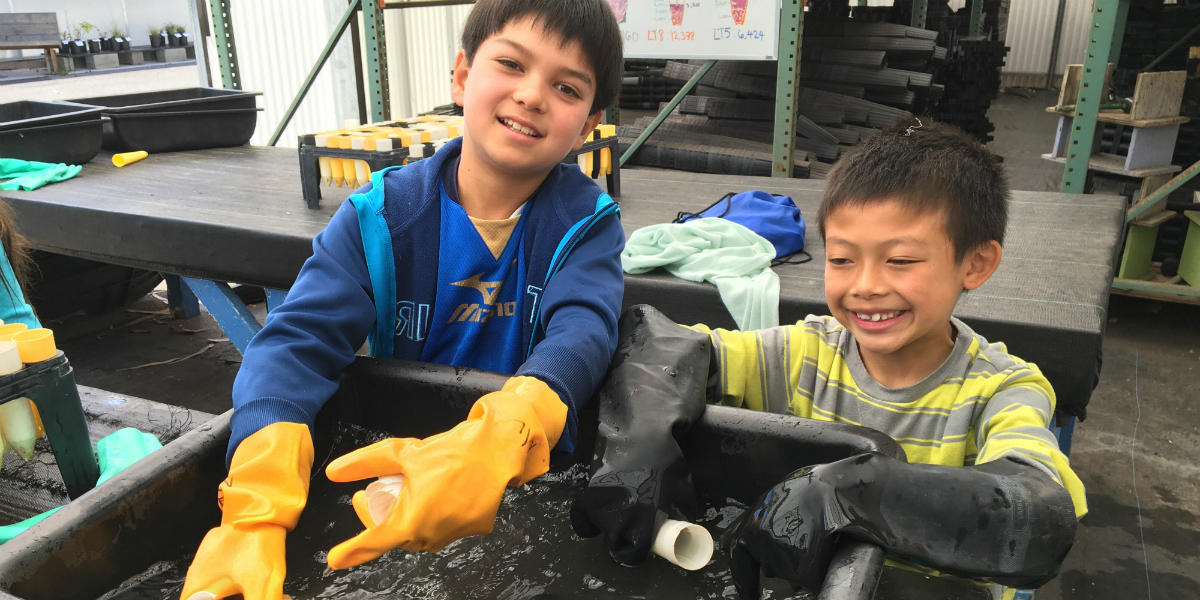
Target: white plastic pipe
point(382, 495)
point(10, 357)
point(686, 545)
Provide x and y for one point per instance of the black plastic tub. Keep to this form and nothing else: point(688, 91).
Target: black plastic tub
point(159, 509)
point(179, 130)
point(74, 143)
point(30, 113)
point(185, 99)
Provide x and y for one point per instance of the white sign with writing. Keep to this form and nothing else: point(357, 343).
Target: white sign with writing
point(720, 29)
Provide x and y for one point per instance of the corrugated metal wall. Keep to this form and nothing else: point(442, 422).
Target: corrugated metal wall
point(422, 43)
point(1031, 33)
point(277, 43)
point(279, 40)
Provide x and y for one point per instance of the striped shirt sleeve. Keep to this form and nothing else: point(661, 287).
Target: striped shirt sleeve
point(1016, 424)
point(755, 369)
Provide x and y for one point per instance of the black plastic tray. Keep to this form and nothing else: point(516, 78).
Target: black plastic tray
point(197, 98)
point(74, 143)
point(30, 113)
point(160, 508)
point(179, 130)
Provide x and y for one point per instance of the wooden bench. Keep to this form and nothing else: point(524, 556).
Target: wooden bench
point(31, 31)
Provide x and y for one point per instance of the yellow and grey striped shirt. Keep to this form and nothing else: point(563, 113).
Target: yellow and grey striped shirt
point(980, 405)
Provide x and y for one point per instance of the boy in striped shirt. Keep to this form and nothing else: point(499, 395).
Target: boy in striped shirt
point(911, 219)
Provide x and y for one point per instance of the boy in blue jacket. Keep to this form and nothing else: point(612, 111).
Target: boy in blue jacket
point(491, 254)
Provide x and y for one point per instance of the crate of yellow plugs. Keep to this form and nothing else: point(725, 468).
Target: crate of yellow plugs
point(346, 157)
point(38, 397)
point(597, 157)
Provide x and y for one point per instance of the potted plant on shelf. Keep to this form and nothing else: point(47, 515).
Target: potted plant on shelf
point(170, 28)
point(78, 46)
point(157, 38)
point(184, 40)
point(93, 44)
point(120, 39)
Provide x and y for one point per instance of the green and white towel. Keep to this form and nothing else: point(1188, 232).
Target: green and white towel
point(719, 251)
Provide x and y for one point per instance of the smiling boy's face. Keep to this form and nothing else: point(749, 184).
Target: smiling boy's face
point(526, 98)
point(892, 279)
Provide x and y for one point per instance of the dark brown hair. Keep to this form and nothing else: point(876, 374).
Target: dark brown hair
point(14, 248)
point(931, 168)
point(589, 22)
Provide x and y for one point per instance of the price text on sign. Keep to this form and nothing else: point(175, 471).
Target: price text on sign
point(721, 29)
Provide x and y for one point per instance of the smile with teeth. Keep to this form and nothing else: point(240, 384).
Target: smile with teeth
point(878, 316)
point(519, 128)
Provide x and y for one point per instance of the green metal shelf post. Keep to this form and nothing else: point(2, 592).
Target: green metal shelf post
point(920, 9)
point(976, 17)
point(1091, 91)
point(1114, 50)
point(231, 78)
point(379, 105)
point(791, 30)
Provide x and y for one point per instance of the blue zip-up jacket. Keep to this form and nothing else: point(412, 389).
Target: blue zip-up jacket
point(573, 241)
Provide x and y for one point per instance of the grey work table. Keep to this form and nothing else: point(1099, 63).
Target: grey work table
point(236, 214)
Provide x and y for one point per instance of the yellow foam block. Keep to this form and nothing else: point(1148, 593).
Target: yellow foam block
point(125, 158)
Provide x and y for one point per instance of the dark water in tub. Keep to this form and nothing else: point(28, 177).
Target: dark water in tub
point(532, 553)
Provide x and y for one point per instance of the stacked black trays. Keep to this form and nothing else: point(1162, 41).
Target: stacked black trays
point(182, 119)
point(52, 132)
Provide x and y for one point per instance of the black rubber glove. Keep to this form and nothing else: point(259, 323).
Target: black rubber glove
point(1003, 521)
point(654, 392)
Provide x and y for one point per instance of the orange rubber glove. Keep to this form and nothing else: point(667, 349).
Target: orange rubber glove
point(452, 481)
point(260, 502)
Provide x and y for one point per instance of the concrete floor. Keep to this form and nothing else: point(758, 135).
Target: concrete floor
point(1137, 453)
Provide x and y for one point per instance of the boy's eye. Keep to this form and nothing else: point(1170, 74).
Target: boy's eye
point(903, 261)
point(568, 90)
point(838, 262)
point(511, 64)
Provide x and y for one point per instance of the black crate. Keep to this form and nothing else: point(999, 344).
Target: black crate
point(73, 143)
point(179, 130)
point(29, 113)
point(186, 99)
point(159, 509)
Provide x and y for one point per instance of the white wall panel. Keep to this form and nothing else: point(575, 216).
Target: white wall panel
point(1031, 34)
point(422, 43)
point(278, 41)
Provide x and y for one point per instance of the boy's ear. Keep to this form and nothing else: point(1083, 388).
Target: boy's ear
point(592, 121)
point(981, 263)
point(458, 80)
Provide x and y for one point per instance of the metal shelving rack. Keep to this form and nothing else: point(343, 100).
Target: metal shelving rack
point(1104, 46)
point(791, 28)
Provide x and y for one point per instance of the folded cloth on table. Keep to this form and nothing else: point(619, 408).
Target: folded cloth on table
point(31, 175)
point(719, 251)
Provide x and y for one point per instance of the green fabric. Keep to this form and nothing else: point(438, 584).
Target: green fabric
point(31, 175)
point(719, 251)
